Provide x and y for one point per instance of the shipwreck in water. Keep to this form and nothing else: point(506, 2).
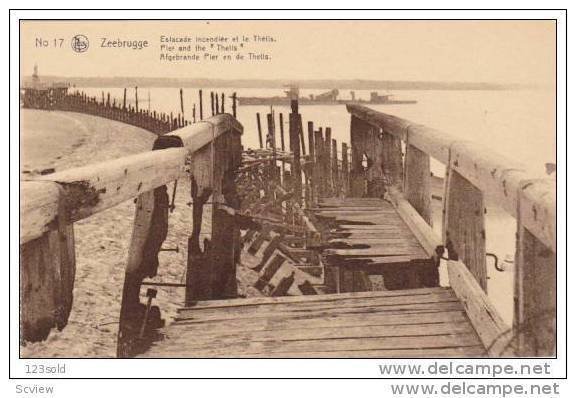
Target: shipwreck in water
point(326, 98)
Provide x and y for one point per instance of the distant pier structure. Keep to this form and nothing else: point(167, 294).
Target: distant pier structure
point(41, 95)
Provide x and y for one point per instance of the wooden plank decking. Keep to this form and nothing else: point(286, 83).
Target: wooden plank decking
point(368, 230)
point(367, 238)
point(427, 322)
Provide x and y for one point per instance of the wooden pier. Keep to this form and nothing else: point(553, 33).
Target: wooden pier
point(339, 240)
point(386, 324)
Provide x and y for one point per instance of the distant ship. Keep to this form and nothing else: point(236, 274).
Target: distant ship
point(326, 98)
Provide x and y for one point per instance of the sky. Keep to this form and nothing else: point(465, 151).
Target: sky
point(472, 51)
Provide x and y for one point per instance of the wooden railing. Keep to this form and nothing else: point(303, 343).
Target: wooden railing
point(473, 175)
point(206, 152)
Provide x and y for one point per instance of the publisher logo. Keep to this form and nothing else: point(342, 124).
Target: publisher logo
point(80, 43)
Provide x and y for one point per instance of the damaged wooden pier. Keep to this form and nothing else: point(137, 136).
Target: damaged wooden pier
point(338, 240)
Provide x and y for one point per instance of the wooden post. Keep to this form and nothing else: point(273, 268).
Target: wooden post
point(259, 130)
point(124, 100)
point(535, 289)
point(222, 105)
point(136, 97)
point(225, 249)
point(282, 132)
point(198, 282)
point(359, 129)
point(234, 104)
point(283, 146)
point(311, 163)
point(345, 170)
point(302, 144)
point(335, 178)
point(271, 140)
point(295, 126)
point(463, 226)
point(148, 234)
point(318, 175)
point(182, 103)
point(216, 103)
point(200, 104)
point(417, 181)
point(535, 296)
point(327, 161)
point(392, 158)
point(194, 113)
point(212, 102)
point(47, 269)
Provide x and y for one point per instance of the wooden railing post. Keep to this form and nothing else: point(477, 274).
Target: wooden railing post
point(225, 247)
point(47, 269)
point(535, 277)
point(358, 131)
point(148, 234)
point(417, 180)
point(198, 283)
point(464, 234)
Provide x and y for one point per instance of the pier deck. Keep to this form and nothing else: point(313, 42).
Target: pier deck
point(367, 236)
point(428, 322)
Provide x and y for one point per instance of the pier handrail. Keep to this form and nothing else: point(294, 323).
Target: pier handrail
point(504, 178)
point(90, 189)
point(473, 173)
point(204, 152)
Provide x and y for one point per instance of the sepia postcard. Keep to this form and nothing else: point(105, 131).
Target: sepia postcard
point(206, 188)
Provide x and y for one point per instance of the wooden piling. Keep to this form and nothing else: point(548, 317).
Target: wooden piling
point(216, 104)
point(234, 104)
point(283, 146)
point(124, 100)
point(302, 143)
point(334, 164)
point(259, 130)
point(317, 175)
point(182, 103)
point(200, 104)
point(136, 97)
point(311, 162)
point(295, 126)
point(281, 117)
point(327, 161)
point(222, 110)
point(345, 170)
point(271, 141)
point(212, 102)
